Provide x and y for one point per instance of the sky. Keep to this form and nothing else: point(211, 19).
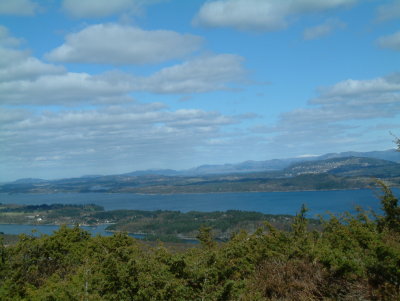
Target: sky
point(107, 87)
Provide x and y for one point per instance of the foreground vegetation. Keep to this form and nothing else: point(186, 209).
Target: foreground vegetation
point(351, 258)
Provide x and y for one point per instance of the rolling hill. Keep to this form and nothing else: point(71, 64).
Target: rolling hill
point(333, 173)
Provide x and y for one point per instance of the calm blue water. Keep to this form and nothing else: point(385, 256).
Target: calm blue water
point(318, 202)
point(48, 229)
point(37, 230)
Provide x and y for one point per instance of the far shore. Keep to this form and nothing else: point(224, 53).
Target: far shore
point(212, 192)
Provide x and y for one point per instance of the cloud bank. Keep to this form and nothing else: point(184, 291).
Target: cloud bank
point(121, 45)
point(260, 15)
point(390, 41)
point(388, 11)
point(340, 114)
point(103, 8)
point(323, 29)
point(123, 138)
point(18, 7)
point(26, 80)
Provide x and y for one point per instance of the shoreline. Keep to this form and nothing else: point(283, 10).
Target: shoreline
point(187, 239)
point(180, 193)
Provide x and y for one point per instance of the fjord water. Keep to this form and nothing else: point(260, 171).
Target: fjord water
point(318, 202)
point(48, 229)
point(38, 230)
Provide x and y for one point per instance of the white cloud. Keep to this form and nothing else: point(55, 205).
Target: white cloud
point(196, 76)
point(17, 7)
point(245, 15)
point(124, 118)
point(12, 115)
point(390, 41)
point(103, 8)
point(9, 56)
point(29, 81)
point(262, 15)
point(26, 80)
point(352, 88)
point(323, 29)
point(340, 115)
point(17, 65)
point(389, 11)
point(360, 99)
point(63, 89)
point(6, 39)
point(119, 44)
point(123, 138)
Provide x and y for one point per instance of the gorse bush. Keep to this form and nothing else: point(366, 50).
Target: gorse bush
point(353, 257)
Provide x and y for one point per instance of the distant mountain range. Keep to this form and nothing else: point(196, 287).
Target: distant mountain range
point(330, 171)
point(279, 164)
point(243, 167)
point(347, 167)
point(267, 165)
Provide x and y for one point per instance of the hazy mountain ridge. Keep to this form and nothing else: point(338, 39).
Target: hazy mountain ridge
point(345, 165)
point(389, 155)
point(332, 173)
point(242, 167)
point(279, 164)
point(268, 165)
point(30, 181)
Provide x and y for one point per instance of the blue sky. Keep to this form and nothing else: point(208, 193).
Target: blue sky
point(105, 87)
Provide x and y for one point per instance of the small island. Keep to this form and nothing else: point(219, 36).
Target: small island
point(170, 226)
